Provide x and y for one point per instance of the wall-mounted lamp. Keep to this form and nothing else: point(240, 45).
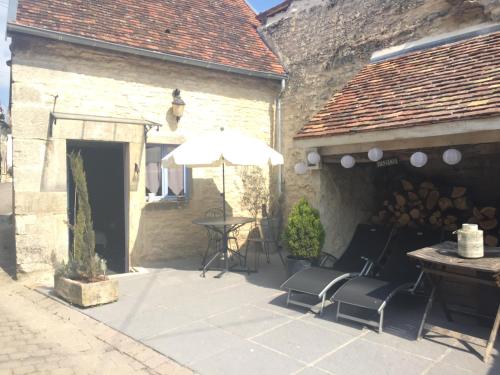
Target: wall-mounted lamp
point(177, 104)
point(419, 159)
point(314, 157)
point(300, 168)
point(312, 162)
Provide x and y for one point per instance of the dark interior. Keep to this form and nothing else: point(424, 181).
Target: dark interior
point(104, 167)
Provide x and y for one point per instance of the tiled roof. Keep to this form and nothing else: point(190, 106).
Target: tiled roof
point(448, 83)
point(215, 31)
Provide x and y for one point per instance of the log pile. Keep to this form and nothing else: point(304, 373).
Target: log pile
point(426, 205)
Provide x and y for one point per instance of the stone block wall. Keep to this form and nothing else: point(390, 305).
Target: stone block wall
point(94, 82)
point(323, 44)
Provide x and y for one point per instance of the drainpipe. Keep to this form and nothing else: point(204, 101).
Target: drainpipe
point(279, 133)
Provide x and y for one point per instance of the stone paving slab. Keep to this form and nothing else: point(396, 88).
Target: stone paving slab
point(240, 324)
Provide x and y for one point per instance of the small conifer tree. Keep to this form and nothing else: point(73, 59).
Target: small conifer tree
point(304, 234)
point(84, 263)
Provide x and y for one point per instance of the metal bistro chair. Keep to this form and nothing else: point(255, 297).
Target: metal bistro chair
point(267, 238)
point(214, 238)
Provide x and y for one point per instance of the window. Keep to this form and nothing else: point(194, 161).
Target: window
point(164, 183)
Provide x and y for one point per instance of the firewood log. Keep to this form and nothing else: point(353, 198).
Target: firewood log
point(407, 185)
point(490, 240)
point(444, 203)
point(450, 227)
point(432, 199)
point(461, 203)
point(427, 185)
point(404, 219)
point(413, 197)
point(415, 213)
point(450, 219)
point(422, 193)
point(488, 224)
point(477, 214)
point(400, 199)
point(458, 191)
point(488, 212)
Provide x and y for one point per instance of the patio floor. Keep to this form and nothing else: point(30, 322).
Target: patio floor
point(239, 324)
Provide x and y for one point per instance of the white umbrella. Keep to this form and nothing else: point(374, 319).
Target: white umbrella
point(221, 149)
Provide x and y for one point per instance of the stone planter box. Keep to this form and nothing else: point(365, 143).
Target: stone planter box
point(86, 294)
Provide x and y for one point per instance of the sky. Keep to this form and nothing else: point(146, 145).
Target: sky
point(261, 5)
point(4, 56)
point(258, 5)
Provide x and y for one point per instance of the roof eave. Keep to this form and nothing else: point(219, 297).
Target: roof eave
point(448, 128)
point(89, 42)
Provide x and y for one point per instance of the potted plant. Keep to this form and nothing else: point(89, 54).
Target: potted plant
point(82, 280)
point(304, 236)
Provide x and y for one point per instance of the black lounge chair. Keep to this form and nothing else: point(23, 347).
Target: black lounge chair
point(366, 247)
point(397, 274)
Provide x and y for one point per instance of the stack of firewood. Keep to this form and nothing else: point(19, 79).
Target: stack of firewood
point(427, 205)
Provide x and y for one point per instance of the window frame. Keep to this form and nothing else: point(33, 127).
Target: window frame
point(164, 178)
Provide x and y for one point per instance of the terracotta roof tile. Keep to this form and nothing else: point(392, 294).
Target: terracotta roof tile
point(216, 31)
point(452, 82)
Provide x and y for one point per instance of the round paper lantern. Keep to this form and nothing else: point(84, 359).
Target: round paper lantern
point(452, 156)
point(375, 154)
point(300, 168)
point(418, 159)
point(313, 157)
point(348, 161)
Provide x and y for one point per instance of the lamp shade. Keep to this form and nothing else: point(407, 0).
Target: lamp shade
point(348, 161)
point(452, 156)
point(300, 168)
point(419, 159)
point(375, 154)
point(313, 157)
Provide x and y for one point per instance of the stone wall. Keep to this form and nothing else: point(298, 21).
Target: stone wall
point(323, 44)
point(94, 82)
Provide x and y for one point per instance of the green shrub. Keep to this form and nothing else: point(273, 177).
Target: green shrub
point(83, 263)
point(304, 234)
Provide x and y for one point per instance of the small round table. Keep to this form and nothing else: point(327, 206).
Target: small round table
point(224, 227)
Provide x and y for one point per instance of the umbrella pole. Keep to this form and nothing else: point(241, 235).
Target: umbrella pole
point(224, 237)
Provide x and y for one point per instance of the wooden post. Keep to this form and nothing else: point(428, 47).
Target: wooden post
point(493, 336)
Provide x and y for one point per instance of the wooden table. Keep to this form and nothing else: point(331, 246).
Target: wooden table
point(442, 261)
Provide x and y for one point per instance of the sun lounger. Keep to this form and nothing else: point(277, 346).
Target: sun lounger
point(398, 273)
point(366, 246)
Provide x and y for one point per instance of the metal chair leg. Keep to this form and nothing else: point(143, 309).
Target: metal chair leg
point(322, 305)
point(381, 322)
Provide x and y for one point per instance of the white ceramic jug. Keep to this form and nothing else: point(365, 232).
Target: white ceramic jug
point(470, 241)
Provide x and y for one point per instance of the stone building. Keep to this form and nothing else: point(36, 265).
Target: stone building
point(324, 44)
point(98, 77)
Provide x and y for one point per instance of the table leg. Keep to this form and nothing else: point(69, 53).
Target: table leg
point(493, 336)
point(426, 312)
point(443, 301)
point(205, 269)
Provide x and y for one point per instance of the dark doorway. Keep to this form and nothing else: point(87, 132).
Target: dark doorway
point(104, 167)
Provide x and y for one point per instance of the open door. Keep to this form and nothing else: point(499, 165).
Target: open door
point(104, 167)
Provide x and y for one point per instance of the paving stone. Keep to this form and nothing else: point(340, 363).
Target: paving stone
point(248, 359)
point(362, 356)
point(312, 371)
point(469, 357)
point(447, 369)
point(247, 321)
point(194, 342)
point(302, 341)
